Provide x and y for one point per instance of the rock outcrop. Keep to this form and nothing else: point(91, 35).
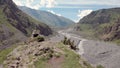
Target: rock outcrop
point(26, 55)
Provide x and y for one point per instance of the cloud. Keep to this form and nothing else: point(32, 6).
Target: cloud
point(30, 4)
point(54, 13)
point(27, 3)
point(48, 3)
point(37, 7)
point(65, 3)
point(83, 13)
point(51, 3)
point(18, 2)
point(36, 4)
point(42, 2)
point(90, 2)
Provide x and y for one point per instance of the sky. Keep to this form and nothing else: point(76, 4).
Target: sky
point(71, 9)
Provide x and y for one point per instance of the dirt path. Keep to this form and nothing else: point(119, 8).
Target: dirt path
point(55, 62)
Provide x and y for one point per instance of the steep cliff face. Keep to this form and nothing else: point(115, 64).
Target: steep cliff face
point(23, 21)
point(105, 22)
point(16, 25)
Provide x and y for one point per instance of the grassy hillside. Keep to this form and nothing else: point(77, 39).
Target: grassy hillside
point(16, 26)
point(104, 24)
point(4, 53)
point(44, 55)
point(22, 21)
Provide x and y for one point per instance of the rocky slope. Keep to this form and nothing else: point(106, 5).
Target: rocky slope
point(104, 22)
point(47, 17)
point(15, 25)
point(45, 54)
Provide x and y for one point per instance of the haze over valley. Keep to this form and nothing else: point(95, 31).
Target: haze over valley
point(59, 34)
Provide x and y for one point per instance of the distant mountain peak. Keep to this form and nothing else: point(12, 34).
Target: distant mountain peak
point(47, 17)
point(105, 23)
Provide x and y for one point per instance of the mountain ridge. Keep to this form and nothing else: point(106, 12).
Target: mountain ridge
point(47, 17)
point(16, 26)
point(105, 23)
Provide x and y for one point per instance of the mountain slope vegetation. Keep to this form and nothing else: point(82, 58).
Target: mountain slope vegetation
point(16, 26)
point(44, 55)
point(104, 24)
point(47, 17)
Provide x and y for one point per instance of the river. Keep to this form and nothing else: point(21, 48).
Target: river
point(96, 52)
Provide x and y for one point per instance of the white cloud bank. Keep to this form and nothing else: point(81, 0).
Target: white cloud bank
point(54, 13)
point(83, 13)
point(90, 2)
point(36, 4)
point(18, 2)
point(48, 3)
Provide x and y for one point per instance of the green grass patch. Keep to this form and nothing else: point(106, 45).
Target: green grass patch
point(3, 21)
point(41, 63)
point(87, 31)
point(85, 27)
point(71, 58)
point(117, 42)
point(99, 66)
point(4, 53)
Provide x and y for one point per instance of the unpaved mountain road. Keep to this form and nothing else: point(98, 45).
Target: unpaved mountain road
point(96, 52)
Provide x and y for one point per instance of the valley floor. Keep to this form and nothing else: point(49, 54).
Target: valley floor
point(97, 53)
point(53, 54)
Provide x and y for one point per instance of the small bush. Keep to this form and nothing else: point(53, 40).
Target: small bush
point(57, 55)
point(39, 39)
point(99, 66)
point(69, 42)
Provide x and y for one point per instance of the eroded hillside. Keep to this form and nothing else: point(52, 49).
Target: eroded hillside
point(16, 26)
point(103, 24)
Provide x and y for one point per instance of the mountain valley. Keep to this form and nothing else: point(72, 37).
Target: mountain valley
point(32, 38)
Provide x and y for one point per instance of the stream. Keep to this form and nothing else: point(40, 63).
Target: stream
point(96, 52)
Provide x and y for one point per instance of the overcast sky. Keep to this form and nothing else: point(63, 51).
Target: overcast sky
point(48, 5)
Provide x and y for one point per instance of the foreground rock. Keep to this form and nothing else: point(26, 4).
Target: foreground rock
point(45, 54)
point(25, 55)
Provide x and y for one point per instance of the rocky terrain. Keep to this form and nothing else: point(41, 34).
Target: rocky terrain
point(104, 23)
point(46, 54)
point(16, 26)
point(100, 54)
point(24, 56)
